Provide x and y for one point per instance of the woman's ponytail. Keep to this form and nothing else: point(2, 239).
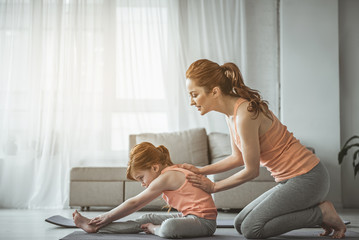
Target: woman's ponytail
point(234, 75)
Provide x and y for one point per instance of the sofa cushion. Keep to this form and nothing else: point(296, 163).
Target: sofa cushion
point(219, 146)
point(93, 193)
point(242, 195)
point(190, 146)
point(98, 174)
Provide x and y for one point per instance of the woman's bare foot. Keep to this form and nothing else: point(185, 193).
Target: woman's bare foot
point(332, 221)
point(327, 230)
point(83, 223)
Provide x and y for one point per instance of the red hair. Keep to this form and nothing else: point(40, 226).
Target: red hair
point(144, 155)
point(229, 79)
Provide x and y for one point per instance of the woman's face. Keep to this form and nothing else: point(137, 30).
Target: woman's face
point(199, 97)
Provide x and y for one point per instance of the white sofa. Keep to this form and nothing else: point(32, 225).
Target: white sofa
point(104, 186)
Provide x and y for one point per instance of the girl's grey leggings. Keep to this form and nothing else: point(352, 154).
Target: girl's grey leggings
point(292, 204)
point(172, 226)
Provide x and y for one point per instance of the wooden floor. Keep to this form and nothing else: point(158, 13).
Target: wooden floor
point(18, 224)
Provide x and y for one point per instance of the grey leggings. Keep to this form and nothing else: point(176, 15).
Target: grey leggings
point(292, 204)
point(172, 226)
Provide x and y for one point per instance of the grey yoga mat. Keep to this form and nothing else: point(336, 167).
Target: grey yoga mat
point(69, 223)
point(300, 234)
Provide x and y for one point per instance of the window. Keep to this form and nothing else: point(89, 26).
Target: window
point(138, 96)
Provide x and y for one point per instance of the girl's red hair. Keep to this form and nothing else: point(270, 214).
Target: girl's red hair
point(144, 155)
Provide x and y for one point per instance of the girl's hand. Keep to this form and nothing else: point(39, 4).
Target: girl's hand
point(190, 167)
point(201, 182)
point(100, 220)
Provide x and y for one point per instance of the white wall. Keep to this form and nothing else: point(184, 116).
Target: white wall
point(349, 93)
point(310, 80)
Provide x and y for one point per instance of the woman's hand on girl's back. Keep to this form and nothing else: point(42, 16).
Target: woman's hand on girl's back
point(202, 182)
point(190, 167)
point(197, 179)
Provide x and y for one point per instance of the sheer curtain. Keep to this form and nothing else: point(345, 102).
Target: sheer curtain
point(76, 77)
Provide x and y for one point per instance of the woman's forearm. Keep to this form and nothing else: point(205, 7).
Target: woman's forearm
point(234, 180)
point(225, 164)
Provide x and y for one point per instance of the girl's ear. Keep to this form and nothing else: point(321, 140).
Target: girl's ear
point(156, 168)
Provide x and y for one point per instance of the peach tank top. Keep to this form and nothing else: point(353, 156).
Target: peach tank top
point(280, 152)
point(190, 200)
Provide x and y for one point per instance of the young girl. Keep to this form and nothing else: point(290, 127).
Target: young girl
point(258, 137)
point(153, 167)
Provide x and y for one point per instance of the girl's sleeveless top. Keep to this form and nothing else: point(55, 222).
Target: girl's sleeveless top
point(189, 199)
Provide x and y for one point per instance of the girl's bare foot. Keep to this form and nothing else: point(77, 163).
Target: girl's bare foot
point(83, 223)
point(331, 220)
point(149, 228)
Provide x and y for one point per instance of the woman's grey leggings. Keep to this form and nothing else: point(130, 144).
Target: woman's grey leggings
point(292, 204)
point(172, 226)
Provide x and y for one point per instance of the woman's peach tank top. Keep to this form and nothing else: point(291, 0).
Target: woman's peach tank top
point(280, 152)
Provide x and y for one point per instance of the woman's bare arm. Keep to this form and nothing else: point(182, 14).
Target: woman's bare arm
point(248, 129)
point(249, 136)
point(228, 163)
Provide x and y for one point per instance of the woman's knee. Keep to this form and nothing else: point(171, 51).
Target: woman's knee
point(251, 230)
point(238, 222)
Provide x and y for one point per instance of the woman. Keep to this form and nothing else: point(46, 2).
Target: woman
point(258, 137)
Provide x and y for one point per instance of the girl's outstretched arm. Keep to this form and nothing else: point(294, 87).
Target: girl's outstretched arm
point(162, 183)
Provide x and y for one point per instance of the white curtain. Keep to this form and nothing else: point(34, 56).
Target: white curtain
point(76, 77)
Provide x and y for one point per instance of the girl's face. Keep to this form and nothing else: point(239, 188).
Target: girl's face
point(199, 97)
point(145, 177)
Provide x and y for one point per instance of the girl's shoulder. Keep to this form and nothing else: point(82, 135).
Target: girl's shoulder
point(174, 178)
point(175, 169)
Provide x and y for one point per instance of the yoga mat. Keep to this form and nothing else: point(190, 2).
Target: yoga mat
point(77, 235)
point(300, 234)
point(228, 223)
point(69, 223)
point(61, 221)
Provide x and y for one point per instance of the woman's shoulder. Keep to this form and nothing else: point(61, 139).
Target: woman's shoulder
point(243, 114)
point(246, 119)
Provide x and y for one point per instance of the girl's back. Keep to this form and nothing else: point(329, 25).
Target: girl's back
point(188, 199)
